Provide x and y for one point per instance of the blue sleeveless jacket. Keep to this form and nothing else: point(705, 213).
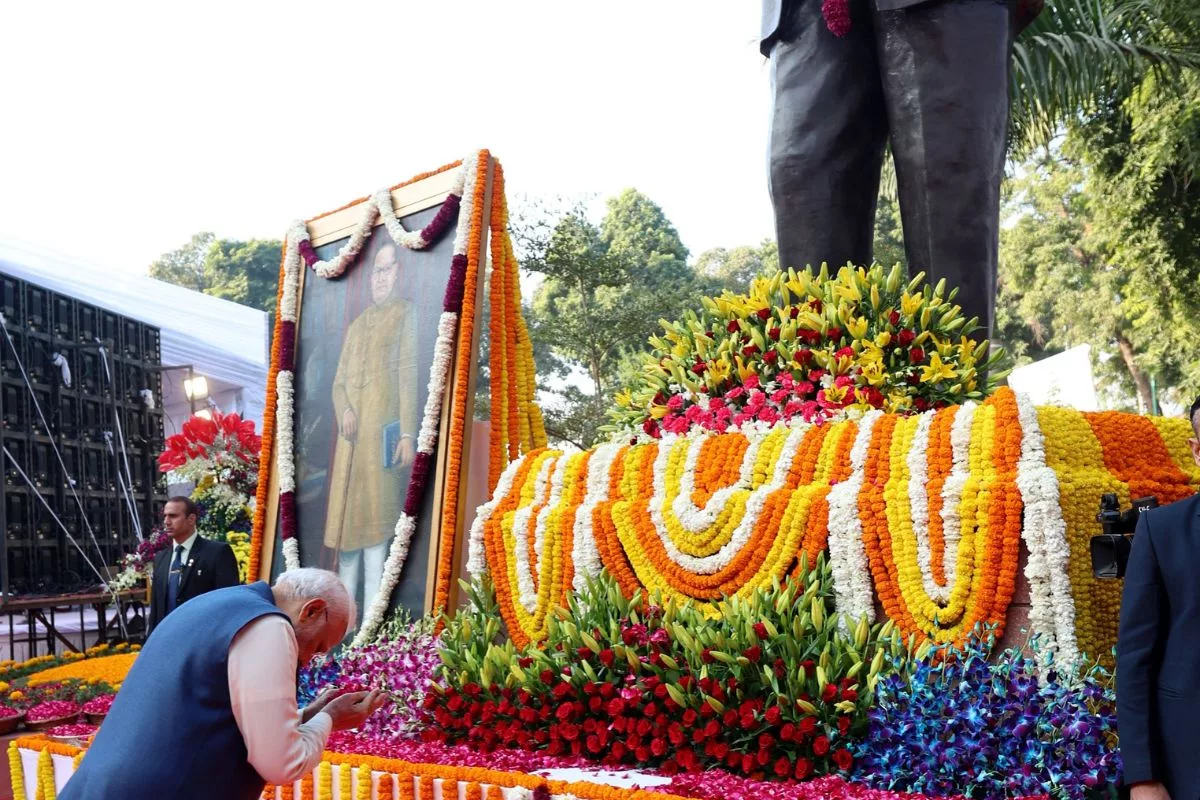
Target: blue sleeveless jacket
point(171, 731)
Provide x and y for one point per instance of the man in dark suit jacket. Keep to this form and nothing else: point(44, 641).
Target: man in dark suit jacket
point(930, 75)
point(191, 566)
point(1158, 651)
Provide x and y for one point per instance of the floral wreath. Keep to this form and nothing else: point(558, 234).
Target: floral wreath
point(298, 247)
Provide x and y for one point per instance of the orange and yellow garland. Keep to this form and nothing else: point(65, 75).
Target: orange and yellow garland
point(754, 501)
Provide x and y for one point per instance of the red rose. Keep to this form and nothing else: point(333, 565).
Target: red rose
point(689, 718)
point(774, 716)
point(795, 312)
point(849, 694)
point(816, 305)
point(748, 764)
point(584, 653)
point(833, 334)
point(650, 426)
point(712, 728)
point(829, 693)
point(750, 350)
point(820, 745)
point(607, 657)
point(807, 726)
point(774, 333)
point(916, 355)
point(642, 754)
point(764, 313)
point(783, 768)
point(843, 759)
point(905, 337)
point(843, 725)
point(760, 630)
point(753, 653)
point(770, 356)
point(699, 367)
point(658, 746)
point(894, 317)
point(802, 355)
point(733, 326)
point(804, 768)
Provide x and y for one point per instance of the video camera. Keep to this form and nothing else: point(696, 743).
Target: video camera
point(1110, 550)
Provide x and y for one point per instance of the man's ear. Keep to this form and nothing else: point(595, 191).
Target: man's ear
point(312, 609)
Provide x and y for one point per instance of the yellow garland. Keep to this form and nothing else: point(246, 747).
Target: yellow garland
point(16, 771)
point(45, 780)
point(362, 786)
point(324, 781)
point(1075, 455)
point(345, 781)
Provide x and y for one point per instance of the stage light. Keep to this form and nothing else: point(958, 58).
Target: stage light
point(196, 388)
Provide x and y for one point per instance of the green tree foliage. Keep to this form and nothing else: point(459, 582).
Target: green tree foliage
point(604, 289)
point(735, 268)
point(1104, 250)
point(243, 272)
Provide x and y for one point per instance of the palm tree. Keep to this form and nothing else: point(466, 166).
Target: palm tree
point(1078, 53)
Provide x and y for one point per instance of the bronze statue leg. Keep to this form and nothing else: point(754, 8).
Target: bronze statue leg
point(828, 128)
point(945, 68)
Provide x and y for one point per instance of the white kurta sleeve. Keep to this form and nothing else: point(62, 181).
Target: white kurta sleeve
point(262, 690)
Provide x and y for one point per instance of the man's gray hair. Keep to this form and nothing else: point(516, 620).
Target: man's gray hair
point(308, 583)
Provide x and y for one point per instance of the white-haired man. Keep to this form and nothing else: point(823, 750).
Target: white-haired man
point(209, 708)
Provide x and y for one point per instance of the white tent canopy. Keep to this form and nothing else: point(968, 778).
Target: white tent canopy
point(225, 342)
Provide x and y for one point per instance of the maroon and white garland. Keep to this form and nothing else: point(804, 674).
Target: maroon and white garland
point(299, 249)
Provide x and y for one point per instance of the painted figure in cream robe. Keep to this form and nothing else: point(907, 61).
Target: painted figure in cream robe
point(375, 407)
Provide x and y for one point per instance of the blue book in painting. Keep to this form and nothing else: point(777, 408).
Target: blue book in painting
point(391, 437)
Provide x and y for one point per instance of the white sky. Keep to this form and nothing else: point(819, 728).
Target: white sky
point(127, 127)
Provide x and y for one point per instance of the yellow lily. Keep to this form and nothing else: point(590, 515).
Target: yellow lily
point(910, 304)
point(937, 370)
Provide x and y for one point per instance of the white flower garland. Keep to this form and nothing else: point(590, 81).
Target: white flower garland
point(712, 564)
point(476, 552)
point(690, 516)
point(379, 204)
point(952, 489)
point(918, 498)
point(584, 552)
point(520, 523)
point(1052, 607)
point(853, 595)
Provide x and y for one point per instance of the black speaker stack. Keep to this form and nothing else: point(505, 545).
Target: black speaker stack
point(81, 423)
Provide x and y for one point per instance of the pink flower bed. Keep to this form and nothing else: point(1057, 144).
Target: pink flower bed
point(99, 705)
point(710, 785)
point(54, 709)
point(7, 712)
point(79, 731)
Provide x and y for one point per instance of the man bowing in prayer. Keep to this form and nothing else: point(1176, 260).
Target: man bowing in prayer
point(209, 708)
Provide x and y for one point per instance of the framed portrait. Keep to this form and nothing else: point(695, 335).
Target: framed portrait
point(366, 447)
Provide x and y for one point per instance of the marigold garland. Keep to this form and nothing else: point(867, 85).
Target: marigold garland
point(706, 515)
point(16, 771)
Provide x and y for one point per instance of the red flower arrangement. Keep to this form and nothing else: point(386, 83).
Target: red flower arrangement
point(225, 442)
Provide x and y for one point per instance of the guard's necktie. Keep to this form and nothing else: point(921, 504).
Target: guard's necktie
point(173, 578)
